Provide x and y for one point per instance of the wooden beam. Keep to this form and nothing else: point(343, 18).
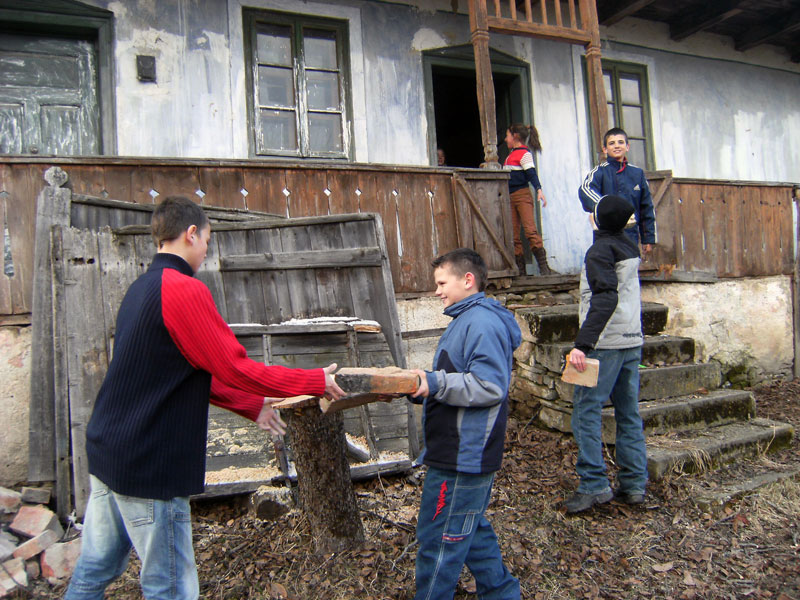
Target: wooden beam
point(548, 32)
point(613, 12)
point(708, 16)
point(479, 36)
point(307, 259)
point(598, 112)
point(768, 30)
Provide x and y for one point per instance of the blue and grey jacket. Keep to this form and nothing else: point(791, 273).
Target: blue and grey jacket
point(466, 411)
point(610, 309)
point(628, 181)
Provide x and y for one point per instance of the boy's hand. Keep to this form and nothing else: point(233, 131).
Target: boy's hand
point(540, 196)
point(647, 248)
point(269, 419)
point(332, 390)
point(422, 390)
point(577, 359)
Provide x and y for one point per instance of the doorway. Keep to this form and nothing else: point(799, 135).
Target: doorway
point(453, 117)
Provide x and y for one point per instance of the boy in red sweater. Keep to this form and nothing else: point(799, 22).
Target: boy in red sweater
point(146, 439)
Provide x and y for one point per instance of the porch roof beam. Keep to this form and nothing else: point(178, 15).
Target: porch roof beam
point(708, 16)
point(549, 32)
point(768, 31)
point(614, 12)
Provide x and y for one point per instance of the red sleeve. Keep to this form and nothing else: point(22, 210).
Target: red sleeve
point(242, 403)
point(206, 341)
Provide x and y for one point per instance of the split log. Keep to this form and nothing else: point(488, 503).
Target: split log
point(366, 385)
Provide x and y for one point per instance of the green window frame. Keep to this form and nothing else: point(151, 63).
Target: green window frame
point(298, 85)
point(628, 105)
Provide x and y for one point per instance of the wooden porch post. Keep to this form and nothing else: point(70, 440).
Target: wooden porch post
point(479, 26)
point(598, 113)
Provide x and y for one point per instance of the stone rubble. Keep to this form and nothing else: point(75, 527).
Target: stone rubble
point(33, 543)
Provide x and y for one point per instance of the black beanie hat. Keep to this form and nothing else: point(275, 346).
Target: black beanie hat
point(612, 213)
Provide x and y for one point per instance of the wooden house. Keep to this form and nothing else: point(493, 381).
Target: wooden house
point(315, 107)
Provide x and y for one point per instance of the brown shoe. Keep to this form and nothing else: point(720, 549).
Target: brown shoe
point(540, 254)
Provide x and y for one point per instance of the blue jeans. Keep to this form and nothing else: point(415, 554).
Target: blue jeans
point(452, 531)
point(159, 530)
point(619, 379)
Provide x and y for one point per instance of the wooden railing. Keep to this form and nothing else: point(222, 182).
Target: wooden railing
point(550, 19)
point(722, 228)
point(425, 211)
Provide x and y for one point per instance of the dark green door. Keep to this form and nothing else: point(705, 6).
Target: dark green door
point(48, 96)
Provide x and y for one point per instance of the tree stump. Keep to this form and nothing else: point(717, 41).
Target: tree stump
point(325, 490)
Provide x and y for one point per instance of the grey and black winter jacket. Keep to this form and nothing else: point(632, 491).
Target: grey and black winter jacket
point(610, 309)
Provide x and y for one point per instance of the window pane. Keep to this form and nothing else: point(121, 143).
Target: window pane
point(612, 120)
point(320, 48)
point(323, 90)
point(607, 84)
point(637, 153)
point(325, 132)
point(274, 44)
point(275, 86)
point(278, 130)
point(629, 88)
point(632, 121)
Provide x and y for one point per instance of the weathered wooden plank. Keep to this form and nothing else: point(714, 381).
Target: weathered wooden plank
point(87, 353)
point(307, 192)
point(689, 205)
point(118, 182)
point(53, 208)
point(307, 259)
point(243, 293)
point(176, 181)
point(20, 217)
point(118, 271)
point(416, 228)
point(210, 274)
point(785, 204)
point(222, 187)
point(445, 234)
point(734, 214)
point(58, 429)
point(274, 285)
point(265, 190)
point(333, 277)
point(6, 305)
point(305, 300)
point(88, 179)
point(754, 232)
point(714, 229)
point(345, 191)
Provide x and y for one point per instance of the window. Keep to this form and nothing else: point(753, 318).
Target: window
point(298, 81)
point(628, 107)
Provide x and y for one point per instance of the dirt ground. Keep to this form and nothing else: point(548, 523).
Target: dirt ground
point(667, 549)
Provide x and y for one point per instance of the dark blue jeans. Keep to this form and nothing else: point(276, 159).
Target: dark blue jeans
point(452, 531)
point(618, 379)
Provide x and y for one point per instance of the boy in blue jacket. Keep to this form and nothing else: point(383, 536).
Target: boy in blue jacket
point(616, 176)
point(465, 399)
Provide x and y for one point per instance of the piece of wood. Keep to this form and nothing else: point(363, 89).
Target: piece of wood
point(586, 378)
point(331, 406)
point(296, 402)
point(385, 380)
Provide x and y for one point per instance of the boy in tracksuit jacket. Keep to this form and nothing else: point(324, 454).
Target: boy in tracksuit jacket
point(465, 399)
point(618, 177)
point(611, 331)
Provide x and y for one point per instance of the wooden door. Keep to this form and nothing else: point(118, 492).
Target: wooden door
point(48, 96)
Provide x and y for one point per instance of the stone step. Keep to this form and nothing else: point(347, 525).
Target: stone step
point(685, 413)
point(657, 350)
point(550, 324)
point(708, 450)
point(664, 382)
point(732, 488)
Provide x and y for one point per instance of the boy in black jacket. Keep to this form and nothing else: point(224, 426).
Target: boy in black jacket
point(611, 331)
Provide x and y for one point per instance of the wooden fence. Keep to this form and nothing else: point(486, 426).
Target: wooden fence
point(723, 228)
point(425, 211)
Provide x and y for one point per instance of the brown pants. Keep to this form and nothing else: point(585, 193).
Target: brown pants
point(522, 211)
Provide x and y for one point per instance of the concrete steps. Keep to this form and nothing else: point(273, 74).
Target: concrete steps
point(716, 446)
point(662, 416)
point(689, 422)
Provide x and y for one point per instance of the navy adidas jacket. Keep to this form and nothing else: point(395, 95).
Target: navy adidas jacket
point(628, 181)
point(466, 411)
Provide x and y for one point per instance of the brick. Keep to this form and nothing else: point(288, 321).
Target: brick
point(30, 521)
point(59, 560)
point(12, 574)
point(37, 545)
point(10, 500)
point(35, 495)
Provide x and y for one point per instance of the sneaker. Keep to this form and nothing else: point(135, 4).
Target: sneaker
point(629, 497)
point(580, 502)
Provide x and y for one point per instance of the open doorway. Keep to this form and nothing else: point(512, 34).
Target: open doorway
point(453, 117)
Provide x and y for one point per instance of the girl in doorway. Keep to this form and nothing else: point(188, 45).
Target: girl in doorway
point(520, 163)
